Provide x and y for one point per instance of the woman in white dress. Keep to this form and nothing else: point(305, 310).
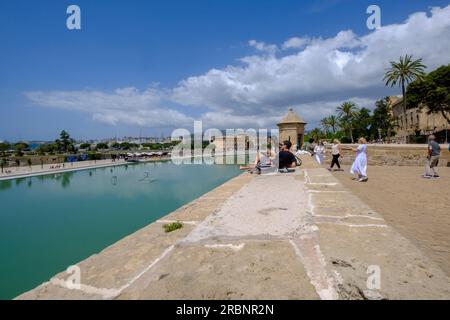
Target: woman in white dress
point(359, 166)
point(319, 152)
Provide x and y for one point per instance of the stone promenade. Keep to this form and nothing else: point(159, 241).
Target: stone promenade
point(280, 236)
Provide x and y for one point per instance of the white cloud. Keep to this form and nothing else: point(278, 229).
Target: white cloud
point(324, 70)
point(296, 43)
point(263, 47)
point(314, 77)
point(127, 106)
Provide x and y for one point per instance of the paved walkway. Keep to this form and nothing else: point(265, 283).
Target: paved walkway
point(284, 236)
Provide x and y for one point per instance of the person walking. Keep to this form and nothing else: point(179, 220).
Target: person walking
point(359, 166)
point(434, 152)
point(335, 153)
point(311, 145)
point(319, 152)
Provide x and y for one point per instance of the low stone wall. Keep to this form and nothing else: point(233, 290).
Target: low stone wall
point(393, 154)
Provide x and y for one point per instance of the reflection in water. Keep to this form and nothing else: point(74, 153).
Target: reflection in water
point(66, 179)
point(30, 183)
point(147, 178)
point(114, 180)
point(5, 184)
point(19, 181)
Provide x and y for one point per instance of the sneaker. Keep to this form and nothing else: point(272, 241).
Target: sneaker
point(329, 169)
point(427, 176)
point(436, 176)
point(363, 179)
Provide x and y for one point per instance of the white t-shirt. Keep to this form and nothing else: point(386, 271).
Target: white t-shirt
point(264, 159)
point(335, 149)
point(319, 149)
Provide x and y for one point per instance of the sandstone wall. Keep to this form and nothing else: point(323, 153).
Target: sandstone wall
point(393, 155)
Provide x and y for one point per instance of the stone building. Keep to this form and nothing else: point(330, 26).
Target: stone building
point(292, 128)
point(228, 144)
point(414, 125)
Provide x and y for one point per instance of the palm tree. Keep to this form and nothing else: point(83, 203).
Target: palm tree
point(404, 72)
point(325, 124)
point(333, 123)
point(346, 113)
point(316, 134)
point(329, 123)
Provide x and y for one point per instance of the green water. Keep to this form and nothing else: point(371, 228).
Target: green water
point(50, 222)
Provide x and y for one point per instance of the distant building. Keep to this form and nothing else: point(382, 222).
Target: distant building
point(292, 128)
point(416, 124)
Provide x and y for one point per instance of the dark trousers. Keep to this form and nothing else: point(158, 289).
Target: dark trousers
point(335, 161)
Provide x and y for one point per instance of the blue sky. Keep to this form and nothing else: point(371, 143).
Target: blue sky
point(157, 65)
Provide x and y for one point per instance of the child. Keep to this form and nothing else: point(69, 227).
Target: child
point(359, 166)
point(319, 152)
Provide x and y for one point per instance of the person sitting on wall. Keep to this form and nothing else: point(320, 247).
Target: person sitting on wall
point(286, 159)
point(263, 160)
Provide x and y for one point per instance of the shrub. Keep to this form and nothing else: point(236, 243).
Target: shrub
point(172, 226)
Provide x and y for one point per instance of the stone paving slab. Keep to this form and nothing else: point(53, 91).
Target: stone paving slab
point(249, 270)
point(405, 273)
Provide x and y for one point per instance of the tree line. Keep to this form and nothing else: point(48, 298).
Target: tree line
point(419, 90)
point(66, 145)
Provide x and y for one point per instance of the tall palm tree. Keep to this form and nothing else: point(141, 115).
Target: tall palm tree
point(346, 113)
point(403, 72)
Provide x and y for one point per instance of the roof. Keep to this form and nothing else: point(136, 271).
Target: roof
point(394, 101)
point(291, 117)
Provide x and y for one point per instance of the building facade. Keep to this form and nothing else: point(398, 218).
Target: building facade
point(414, 125)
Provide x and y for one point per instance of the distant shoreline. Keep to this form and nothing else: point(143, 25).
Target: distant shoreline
point(77, 166)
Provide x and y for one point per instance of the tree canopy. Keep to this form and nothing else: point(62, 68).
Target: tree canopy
point(432, 91)
point(65, 143)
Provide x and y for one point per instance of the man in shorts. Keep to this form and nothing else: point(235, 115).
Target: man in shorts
point(434, 151)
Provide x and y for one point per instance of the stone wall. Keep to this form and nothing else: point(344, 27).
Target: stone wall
point(393, 155)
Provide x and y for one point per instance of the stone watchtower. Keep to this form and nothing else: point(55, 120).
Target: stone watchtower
point(292, 128)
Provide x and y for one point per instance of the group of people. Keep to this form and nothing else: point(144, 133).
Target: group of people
point(287, 161)
point(359, 166)
point(58, 166)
